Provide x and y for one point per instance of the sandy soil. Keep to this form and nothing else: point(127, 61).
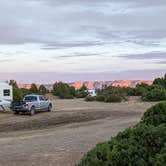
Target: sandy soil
point(62, 137)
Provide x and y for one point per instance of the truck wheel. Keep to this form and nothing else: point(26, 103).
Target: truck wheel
point(32, 111)
point(16, 112)
point(50, 108)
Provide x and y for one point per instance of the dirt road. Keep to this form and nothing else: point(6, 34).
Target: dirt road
point(62, 137)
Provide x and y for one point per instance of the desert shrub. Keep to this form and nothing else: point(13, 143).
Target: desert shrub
point(100, 98)
point(90, 98)
point(113, 98)
point(155, 95)
point(82, 92)
point(160, 81)
point(160, 159)
point(140, 90)
point(155, 115)
point(63, 90)
point(136, 146)
point(130, 91)
point(66, 96)
point(141, 145)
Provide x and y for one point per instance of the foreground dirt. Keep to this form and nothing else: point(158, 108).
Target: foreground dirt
point(62, 137)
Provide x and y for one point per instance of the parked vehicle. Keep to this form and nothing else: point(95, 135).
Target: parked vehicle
point(32, 104)
point(92, 92)
point(6, 95)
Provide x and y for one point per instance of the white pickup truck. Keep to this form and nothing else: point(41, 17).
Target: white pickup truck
point(32, 104)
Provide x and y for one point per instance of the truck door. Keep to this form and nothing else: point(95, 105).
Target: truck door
point(42, 103)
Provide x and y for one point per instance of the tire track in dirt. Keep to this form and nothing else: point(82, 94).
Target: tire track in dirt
point(54, 119)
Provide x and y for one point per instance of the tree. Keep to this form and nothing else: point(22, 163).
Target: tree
point(33, 88)
point(155, 95)
point(82, 92)
point(17, 94)
point(25, 91)
point(83, 88)
point(160, 81)
point(63, 90)
point(42, 90)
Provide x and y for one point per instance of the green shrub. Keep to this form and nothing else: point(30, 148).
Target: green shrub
point(155, 115)
point(66, 96)
point(90, 98)
point(155, 95)
point(141, 145)
point(160, 81)
point(63, 90)
point(160, 159)
point(81, 94)
point(100, 98)
point(140, 91)
point(136, 146)
point(113, 98)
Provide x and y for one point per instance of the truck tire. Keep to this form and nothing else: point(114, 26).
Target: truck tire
point(16, 112)
point(32, 111)
point(50, 108)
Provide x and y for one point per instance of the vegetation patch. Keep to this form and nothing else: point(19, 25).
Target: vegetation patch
point(90, 98)
point(141, 145)
point(100, 98)
point(113, 98)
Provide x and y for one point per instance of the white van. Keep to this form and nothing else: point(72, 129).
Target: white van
point(92, 92)
point(6, 95)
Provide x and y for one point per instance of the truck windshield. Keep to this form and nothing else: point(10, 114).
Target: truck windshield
point(30, 98)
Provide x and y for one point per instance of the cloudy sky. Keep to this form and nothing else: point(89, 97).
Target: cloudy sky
point(68, 40)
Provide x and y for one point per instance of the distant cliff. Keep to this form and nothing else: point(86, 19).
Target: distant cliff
point(98, 84)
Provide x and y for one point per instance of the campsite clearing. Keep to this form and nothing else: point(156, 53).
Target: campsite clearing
point(63, 136)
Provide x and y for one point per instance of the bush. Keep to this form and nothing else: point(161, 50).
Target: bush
point(63, 90)
point(155, 95)
point(81, 94)
point(142, 145)
point(160, 159)
point(155, 115)
point(129, 148)
point(140, 91)
point(90, 98)
point(160, 81)
point(100, 98)
point(113, 98)
point(66, 96)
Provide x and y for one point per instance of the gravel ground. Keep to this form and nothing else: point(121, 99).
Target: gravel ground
point(62, 137)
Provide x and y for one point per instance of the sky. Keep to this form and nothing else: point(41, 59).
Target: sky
point(72, 40)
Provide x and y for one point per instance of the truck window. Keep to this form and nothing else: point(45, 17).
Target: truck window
point(6, 92)
point(30, 98)
point(41, 98)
